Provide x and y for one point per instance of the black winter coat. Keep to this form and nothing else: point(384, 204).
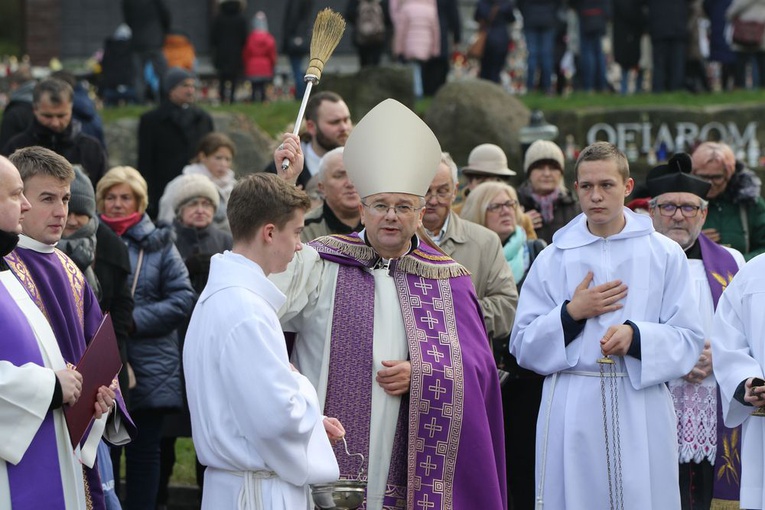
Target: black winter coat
point(297, 25)
point(539, 13)
point(77, 147)
point(629, 25)
point(167, 139)
point(163, 300)
point(112, 267)
point(18, 113)
point(228, 37)
point(668, 20)
point(197, 246)
point(149, 20)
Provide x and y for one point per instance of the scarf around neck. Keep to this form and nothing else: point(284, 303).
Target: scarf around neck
point(546, 204)
point(121, 225)
point(515, 252)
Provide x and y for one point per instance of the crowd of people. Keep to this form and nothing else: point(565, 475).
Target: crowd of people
point(492, 344)
point(481, 346)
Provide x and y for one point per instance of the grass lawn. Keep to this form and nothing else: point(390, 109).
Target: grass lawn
point(276, 116)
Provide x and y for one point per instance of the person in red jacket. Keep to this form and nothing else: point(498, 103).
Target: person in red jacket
point(259, 57)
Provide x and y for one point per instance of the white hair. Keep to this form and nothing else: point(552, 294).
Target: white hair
point(326, 160)
point(447, 160)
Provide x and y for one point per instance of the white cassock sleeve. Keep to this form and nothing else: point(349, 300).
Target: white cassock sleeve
point(737, 340)
point(279, 409)
point(671, 345)
point(25, 396)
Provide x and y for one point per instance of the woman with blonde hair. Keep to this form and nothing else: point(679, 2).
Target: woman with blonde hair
point(163, 299)
point(495, 206)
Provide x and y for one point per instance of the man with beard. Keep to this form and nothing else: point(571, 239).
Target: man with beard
point(54, 129)
point(327, 126)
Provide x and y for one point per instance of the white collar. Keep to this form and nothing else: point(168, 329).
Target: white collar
point(35, 245)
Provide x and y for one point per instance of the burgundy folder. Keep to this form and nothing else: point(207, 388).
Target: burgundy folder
point(99, 366)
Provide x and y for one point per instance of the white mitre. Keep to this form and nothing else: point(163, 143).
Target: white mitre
point(391, 150)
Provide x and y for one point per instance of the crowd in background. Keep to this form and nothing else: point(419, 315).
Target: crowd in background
point(170, 211)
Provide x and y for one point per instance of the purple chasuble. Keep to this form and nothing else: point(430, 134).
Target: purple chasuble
point(58, 288)
point(448, 451)
point(721, 267)
point(35, 482)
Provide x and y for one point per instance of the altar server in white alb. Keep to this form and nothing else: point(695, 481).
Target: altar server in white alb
point(609, 284)
point(738, 348)
point(256, 422)
point(38, 468)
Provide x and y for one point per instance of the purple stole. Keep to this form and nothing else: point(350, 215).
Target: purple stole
point(721, 267)
point(35, 481)
point(453, 409)
point(63, 295)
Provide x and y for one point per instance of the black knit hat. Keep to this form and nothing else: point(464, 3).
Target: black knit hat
point(175, 76)
point(675, 177)
point(83, 199)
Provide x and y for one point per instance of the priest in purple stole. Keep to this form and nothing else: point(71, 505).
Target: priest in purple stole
point(391, 333)
point(60, 291)
point(37, 466)
point(710, 461)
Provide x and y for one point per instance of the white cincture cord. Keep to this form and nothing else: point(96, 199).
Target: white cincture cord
point(251, 495)
point(540, 504)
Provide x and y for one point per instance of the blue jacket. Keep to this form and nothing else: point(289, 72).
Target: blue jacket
point(163, 301)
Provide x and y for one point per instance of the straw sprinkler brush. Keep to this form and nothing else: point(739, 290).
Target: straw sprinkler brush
point(327, 31)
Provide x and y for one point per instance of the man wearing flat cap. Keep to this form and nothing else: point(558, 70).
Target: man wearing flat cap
point(391, 333)
point(168, 135)
point(678, 209)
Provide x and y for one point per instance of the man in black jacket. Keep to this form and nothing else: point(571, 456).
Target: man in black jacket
point(18, 112)
point(168, 135)
point(53, 128)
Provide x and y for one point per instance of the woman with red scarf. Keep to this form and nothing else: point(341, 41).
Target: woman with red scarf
point(163, 300)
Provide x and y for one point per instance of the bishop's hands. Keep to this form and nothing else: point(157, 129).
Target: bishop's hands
point(290, 150)
point(395, 377)
point(70, 381)
point(703, 367)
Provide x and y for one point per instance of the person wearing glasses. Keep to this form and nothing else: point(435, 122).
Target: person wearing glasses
point(391, 333)
point(736, 214)
point(544, 195)
point(608, 286)
point(473, 246)
point(705, 446)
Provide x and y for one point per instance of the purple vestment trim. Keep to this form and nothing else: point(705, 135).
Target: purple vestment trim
point(721, 267)
point(74, 315)
point(35, 482)
point(451, 414)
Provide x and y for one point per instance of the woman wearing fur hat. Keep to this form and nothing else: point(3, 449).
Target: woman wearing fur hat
point(163, 300)
point(544, 195)
point(215, 153)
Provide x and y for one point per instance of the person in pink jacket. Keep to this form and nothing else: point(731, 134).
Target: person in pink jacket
point(417, 36)
point(259, 57)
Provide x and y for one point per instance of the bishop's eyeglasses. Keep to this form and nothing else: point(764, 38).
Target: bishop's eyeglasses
point(381, 209)
point(687, 210)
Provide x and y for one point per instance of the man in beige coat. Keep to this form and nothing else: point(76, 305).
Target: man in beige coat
point(475, 247)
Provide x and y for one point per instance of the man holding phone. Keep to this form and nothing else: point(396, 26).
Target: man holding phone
point(739, 353)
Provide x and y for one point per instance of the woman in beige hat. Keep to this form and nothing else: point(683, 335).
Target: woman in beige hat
point(544, 195)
